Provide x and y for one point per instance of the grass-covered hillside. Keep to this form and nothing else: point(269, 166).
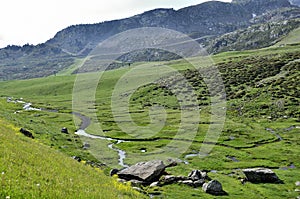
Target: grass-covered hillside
point(261, 128)
point(30, 169)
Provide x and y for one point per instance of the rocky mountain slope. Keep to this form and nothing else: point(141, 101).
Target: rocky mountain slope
point(295, 2)
point(206, 22)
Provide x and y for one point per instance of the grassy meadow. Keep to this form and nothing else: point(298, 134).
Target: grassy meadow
point(262, 92)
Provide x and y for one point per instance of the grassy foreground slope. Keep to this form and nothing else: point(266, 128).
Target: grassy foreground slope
point(32, 170)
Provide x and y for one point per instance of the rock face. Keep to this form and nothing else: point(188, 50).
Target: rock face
point(261, 175)
point(213, 187)
point(146, 172)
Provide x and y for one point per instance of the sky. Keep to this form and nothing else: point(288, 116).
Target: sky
point(36, 21)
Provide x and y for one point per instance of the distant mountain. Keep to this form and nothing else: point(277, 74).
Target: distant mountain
point(295, 2)
point(207, 21)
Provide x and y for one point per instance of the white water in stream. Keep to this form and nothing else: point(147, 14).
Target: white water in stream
point(121, 153)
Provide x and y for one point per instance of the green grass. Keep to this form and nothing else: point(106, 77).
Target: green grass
point(258, 98)
point(292, 38)
point(32, 170)
point(70, 70)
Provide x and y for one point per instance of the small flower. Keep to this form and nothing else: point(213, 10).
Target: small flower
point(38, 185)
point(7, 197)
point(3, 173)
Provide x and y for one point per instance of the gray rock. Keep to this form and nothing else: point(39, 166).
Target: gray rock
point(136, 183)
point(26, 133)
point(197, 175)
point(168, 179)
point(199, 183)
point(86, 145)
point(213, 187)
point(188, 182)
point(182, 178)
point(154, 184)
point(261, 175)
point(147, 172)
point(137, 189)
point(65, 130)
point(113, 172)
point(297, 183)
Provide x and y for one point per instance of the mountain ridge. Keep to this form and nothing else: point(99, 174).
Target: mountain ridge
point(207, 21)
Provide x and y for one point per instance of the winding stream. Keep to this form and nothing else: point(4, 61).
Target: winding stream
point(86, 121)
point(121, 153)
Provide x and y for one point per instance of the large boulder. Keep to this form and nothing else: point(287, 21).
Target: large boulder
point(213, 187)
point(261, 175)
point(147, 172)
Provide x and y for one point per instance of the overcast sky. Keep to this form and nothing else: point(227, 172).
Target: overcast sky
point(35, 21)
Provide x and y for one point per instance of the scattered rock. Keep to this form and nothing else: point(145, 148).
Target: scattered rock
point(154, 184)
point(199, 183)
point(188, 182)
point(153, 173)
point(26, 133)
point(147, 172)
point(261, 175)
point(136, 183)
point(243, 181)
point(113, 172)
point(213, 187)
point(77, 158)
point(168, 179)
point(65, 130)
point(197, 175)
point(86, 145)
point(137, 189)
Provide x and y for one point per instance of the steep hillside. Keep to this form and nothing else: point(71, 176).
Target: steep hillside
point(32, 170)
point(253, 37)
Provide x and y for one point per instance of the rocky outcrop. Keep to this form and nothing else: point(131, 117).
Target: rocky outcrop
point(146, 172)
point(153, 174)
point(261, 175)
